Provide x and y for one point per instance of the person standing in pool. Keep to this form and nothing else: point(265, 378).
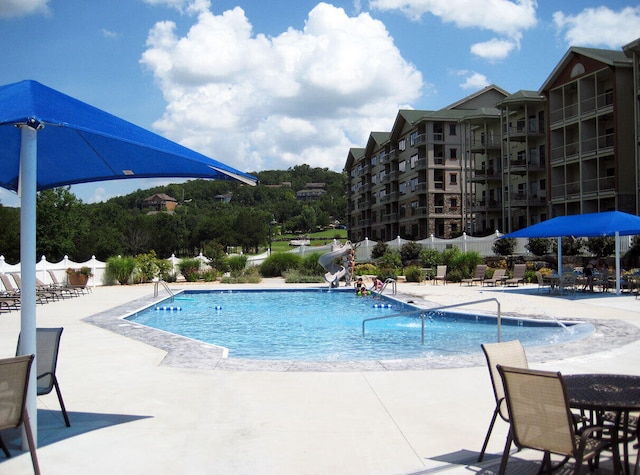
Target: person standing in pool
point(361, 289)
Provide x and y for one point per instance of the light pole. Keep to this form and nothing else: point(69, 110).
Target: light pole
point(271, 223)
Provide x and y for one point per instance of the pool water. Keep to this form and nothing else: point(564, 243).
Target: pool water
point(326, 325)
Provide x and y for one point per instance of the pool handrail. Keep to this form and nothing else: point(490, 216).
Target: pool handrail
point(394, 286)
point(166, 287)
point(424, 312)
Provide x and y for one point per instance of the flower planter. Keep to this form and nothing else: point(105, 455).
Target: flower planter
point(79, 280)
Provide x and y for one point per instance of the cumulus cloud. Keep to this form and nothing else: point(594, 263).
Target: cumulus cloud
point(500, 16)
point(473, 80)
point(18, 8)
point(258, 102)
point(600, 26)
point(494, 49)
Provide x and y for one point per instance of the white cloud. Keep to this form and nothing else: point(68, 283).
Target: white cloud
point(505, 17)
point(599, 26)
point(473, 80)
point(494, 49)
point(109, 34)
point(18, 8)
point(189, 6)
point(257, 102)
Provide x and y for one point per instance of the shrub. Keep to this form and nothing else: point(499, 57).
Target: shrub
point(311, 266)
point(430, 257)
point(387, 273)
point(504, 247)
point(379, 250)
point(190, 269)
point(294, 276)
point(237, 263)
point(538, 246)
point(209, 275)
point(365, 269)
point(601, 246)
point(277, 264)
point(409, 252)
point(147, 267)
point(120, 269)
point(413, 274)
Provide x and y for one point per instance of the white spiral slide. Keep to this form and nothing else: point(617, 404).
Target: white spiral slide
point(335, 271)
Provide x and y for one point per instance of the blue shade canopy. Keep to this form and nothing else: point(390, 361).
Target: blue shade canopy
point(607, 223)
point(78, 143)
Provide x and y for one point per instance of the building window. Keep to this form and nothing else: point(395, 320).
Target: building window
point(374, 160)
point(413, 160)
point(413, 184)
point(403, 188)
point(453, 178)
point(402, 166)
point(413, 137)
point(374, 179)
point(453, 153)
point(543, 184)
point(452, 129)
point(402, 145)
point(454, 202)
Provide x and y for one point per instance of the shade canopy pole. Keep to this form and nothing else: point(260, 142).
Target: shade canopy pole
point(28, 191)
point(617, 262)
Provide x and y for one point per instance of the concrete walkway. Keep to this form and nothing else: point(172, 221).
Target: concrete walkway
point(136, 409)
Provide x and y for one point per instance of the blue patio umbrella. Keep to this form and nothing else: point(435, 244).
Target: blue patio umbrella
point(607, 223)
point(49, 139)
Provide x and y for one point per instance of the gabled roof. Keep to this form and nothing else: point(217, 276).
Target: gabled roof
point(520, 97)
point(376, 139)
point(354, 155)
point(615, 58)
point(160, 197)
point(465, 101)
point(405, 116)
point(483, 113)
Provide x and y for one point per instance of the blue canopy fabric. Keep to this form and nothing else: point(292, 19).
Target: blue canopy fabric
point(78, 143)
point(607, 223)
point(48, 139)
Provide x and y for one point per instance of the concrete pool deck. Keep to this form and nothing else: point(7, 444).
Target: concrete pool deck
point(135, 408)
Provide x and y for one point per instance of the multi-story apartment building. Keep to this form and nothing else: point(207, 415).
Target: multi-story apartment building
point(590, 133)
point(632, 51)
point(499, 161)
point(409, 182)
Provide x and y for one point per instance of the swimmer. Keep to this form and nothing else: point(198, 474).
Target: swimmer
point(377, 284)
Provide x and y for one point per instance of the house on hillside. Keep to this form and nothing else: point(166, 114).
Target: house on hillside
point(159, 202)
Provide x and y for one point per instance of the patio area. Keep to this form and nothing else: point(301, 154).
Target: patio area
point(135, 408)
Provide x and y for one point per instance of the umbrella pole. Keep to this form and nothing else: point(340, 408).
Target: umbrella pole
point(28, 190)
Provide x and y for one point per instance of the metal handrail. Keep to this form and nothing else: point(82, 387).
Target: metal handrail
point(424, 312)
point(394, 286)
point(166, 287)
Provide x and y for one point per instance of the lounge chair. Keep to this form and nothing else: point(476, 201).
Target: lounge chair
point(9, 289)
point(497, 278)
point(55, 283)
point(505, 353)
point(441, 274)
point(42, 296)
point(481, 271)
point(519, 271)
point(47, 346)
point(540, 419)
point(14, 374)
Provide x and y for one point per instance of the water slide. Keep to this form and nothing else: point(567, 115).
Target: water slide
point(335, 271)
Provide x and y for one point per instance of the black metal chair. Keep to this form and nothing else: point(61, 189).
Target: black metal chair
point(47, 346)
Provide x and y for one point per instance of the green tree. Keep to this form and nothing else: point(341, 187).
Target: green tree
point(538, 246)
point(309, 218)
point(61, 222)
point(601, 246)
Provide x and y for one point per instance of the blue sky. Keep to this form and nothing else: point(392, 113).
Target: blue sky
point(263, 85)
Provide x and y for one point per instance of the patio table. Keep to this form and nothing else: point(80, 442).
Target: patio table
point(602, 393)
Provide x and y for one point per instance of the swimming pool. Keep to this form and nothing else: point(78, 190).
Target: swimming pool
point(326, 325)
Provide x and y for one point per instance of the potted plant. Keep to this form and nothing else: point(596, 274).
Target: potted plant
point(79, 276)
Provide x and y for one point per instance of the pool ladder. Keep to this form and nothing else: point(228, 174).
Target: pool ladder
point(166, 287)
point(424, 312)
point(394, 287)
